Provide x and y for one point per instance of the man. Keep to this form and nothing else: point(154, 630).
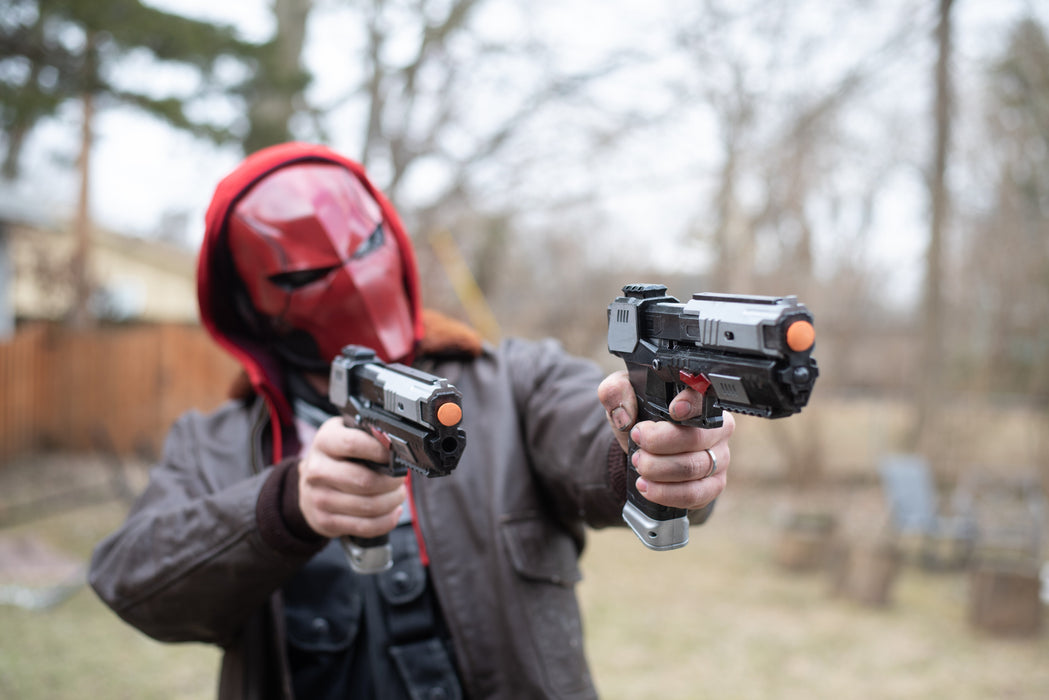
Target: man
point(234, 541)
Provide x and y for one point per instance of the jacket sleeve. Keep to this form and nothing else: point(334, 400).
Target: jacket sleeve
point(189, 563)
point(557, 397)
point(571, 446)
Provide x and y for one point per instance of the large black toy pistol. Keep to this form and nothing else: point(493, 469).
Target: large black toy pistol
point(746, 354)
point(414, 413)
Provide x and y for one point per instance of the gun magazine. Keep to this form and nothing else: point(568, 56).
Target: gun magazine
point(658, 535)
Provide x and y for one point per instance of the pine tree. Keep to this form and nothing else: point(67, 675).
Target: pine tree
point(56, 52)
point(53, 52)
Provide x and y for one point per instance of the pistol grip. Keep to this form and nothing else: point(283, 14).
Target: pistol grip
point(659, 527)
point(371, 555)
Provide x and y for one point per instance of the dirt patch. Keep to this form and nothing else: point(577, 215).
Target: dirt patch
point(27, 560)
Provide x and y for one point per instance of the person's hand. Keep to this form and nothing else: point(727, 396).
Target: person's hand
point(674, 461)
point(338, 494)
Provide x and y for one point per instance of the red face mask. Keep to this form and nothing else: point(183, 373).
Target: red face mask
point(310, 245)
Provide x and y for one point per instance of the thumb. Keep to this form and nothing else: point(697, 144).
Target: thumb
point(620, 403)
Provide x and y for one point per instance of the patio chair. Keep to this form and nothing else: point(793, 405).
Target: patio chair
point(944, 537)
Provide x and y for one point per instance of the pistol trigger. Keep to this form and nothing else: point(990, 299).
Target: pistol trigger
point(698, 382)
point(380, 436)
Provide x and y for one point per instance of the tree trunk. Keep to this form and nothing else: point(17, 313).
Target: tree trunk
point(275, 102)
point(932, 360)
point(80, 316)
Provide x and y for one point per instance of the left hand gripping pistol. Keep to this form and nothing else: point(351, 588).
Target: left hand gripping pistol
point(415, 414)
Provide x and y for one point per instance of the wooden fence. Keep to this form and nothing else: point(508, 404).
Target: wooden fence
point(110, 388)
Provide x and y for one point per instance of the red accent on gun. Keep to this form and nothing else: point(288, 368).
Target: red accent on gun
point(698, 382)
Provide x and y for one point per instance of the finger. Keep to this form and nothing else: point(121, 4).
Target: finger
point(338, 441)
point(669, 438)
point(687, 404)
point(369, 508)
point(321, 471)
point(357, 505)
point(689, 495)
point(685, 466)
point(666, 437)
point(340, 525)
point(617, 396)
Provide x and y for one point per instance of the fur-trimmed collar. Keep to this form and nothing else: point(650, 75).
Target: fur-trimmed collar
point(446, 337)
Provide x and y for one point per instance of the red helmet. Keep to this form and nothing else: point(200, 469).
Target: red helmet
point(320, 265)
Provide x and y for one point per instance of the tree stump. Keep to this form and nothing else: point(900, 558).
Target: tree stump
point(1004, 598)
point(864, 572)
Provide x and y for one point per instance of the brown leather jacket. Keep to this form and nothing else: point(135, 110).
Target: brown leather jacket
point(503, 532)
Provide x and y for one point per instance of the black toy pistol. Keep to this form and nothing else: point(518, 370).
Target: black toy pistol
point(747, 354)
point(414, 413)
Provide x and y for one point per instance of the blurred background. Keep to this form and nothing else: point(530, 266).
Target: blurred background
point(886, 162)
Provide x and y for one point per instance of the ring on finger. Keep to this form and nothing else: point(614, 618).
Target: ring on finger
point(713, 464)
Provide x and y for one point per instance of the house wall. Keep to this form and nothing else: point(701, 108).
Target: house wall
point(143, 280)
point(152, 292)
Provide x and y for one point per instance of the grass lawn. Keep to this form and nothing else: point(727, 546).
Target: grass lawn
point(716, 619)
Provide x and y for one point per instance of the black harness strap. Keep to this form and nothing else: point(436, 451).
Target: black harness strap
point(420, 649)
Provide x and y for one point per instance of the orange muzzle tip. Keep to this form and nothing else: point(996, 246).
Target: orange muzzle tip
point(449, 414)
point(800, 336)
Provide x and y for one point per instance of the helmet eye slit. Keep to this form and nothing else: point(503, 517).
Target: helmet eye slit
point(296, 279)
point(371, 243)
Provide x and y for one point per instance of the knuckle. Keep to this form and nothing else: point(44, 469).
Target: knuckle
point(359, 478)
point(373, 507)
point(311, 472)
point(351, 441)
point(610, 390)
point(374, 526)
point(696, 495)
point(642, 463)
point(697, 464)
point(325, 523)
point(363, 527)
point(323, 502)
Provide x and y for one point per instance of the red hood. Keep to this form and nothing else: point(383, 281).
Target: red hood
point(215, 275)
